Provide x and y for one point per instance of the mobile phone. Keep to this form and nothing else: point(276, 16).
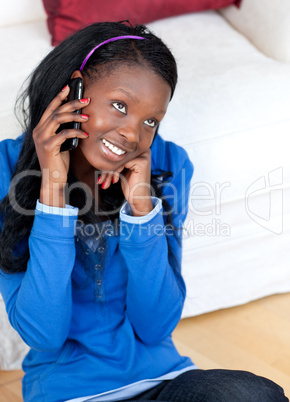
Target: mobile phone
point(76, 92)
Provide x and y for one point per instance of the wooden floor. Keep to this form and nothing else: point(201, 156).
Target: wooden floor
point(254, 337)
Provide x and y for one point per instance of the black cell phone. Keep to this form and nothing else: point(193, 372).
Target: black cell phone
point(76, 92)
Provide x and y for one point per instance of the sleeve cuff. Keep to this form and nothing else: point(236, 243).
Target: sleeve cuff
point(67, 211)
point(126, 213)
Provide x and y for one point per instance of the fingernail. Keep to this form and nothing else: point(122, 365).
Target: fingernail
point(85, 116)
point(85, 100)
point(103, 185)
point(114, 180)
point(86, 134)
point(64, 88)
point(99, 179)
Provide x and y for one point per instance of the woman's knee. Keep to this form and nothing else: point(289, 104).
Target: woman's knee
point(222, 386)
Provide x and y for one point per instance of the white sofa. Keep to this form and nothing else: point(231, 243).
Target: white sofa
point(231, 112)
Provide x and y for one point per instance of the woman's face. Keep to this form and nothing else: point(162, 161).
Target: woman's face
point(125, 108)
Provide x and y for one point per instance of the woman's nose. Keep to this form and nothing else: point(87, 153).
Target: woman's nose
point(130, 132)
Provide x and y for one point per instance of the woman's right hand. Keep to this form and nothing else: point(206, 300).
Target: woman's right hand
point(54, 164)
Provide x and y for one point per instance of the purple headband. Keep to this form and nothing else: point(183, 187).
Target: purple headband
point(107, 41)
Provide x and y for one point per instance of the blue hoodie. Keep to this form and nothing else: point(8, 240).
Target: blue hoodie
point(98, 311)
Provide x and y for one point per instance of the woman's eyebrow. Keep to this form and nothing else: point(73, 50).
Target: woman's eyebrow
point(128, 94)
point(160, 111)
point(136, 100)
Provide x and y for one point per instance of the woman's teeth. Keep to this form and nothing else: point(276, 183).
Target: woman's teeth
point(113, 148)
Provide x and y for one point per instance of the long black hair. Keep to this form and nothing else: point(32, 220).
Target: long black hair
point(52, 74)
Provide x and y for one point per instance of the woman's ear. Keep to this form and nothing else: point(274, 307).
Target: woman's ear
point(76, 74)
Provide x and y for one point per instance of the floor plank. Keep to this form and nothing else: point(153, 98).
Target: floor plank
point(10, 376)
point(10, 386)
point(11, 392)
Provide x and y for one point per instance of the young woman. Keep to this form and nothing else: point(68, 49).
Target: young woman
point(91, 236)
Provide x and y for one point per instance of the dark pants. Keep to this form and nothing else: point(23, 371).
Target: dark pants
point(215, 386)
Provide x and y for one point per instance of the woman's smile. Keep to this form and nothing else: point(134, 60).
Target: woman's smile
point(113, 148)
point(112, 152)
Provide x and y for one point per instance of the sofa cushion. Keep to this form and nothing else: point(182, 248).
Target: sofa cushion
point(257, 21)
point(21, 12)
point(67, 16)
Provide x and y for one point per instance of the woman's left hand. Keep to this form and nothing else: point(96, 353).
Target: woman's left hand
point(135, 178)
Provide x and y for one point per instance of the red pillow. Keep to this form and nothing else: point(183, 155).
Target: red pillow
point(68, 16)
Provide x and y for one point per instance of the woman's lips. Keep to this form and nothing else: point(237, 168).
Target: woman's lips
point(116, 150)
point(114, 154)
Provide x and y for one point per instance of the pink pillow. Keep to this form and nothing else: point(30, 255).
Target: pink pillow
point(68, 16)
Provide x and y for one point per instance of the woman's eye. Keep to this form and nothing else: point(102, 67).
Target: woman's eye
point(120, 106)
point(150, 122)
